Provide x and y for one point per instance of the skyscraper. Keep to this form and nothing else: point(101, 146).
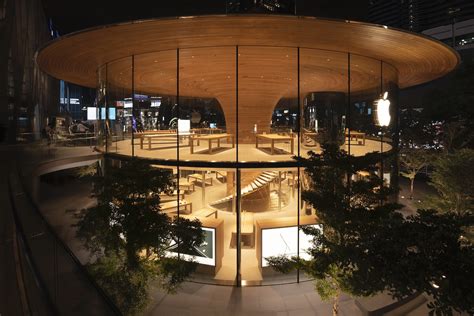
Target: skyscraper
point(261, 6)
point(419, 15)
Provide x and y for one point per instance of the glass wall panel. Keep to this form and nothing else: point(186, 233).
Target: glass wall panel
point(207, 97)
point(209, 196)
point(155, 110)
point(366, 89)
point(269, 223)
point(244, 104)
point(117, 116)
point(324, 92)
point(324, 88)
point(206, 129)
point(268, 107)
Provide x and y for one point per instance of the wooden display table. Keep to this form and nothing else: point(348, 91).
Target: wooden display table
point(201, 177)
point(149, 137)
point(247, 232)
point(165, 197)
point(210, 138)
point(207, 130)
point(186, 185)
point(172, 207)
point(139, 135)
point(274, 138)
point(356, 136)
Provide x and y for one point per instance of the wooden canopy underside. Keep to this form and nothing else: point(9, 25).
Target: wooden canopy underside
point(267, 61)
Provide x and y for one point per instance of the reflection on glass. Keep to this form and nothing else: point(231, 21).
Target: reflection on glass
point(94, 114)
point(118, 111)
point(154, 117)
point(365, 91)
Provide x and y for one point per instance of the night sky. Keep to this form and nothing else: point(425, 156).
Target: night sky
point(69, 16)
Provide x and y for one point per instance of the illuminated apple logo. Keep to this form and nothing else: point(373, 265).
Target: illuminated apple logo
point(383, 110)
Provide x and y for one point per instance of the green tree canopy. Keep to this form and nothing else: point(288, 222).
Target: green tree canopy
point(366, 246)
point(127, 234)
point(349, 211)
point(453, 179)
point(412, 161)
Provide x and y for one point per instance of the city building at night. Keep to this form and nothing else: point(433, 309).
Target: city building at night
point(226, 102)
point(419, 15)
point(261, 6)
point(27, 96)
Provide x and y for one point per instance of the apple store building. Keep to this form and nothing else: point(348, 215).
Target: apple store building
point(226, 103)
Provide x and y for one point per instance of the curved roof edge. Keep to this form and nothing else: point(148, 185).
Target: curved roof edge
point(80, 68)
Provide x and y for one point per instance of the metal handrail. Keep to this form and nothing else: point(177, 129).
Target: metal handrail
point(28, 255)
point(68, 251)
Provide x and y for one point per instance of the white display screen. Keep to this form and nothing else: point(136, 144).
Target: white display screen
point(155, 103)
point(184, 126)
point(283, 241)
point(92, 113)
point(204, 254)
point(111, 113)
point(127, 104)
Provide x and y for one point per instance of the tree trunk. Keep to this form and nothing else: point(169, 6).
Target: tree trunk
point(335, 306)
point(412, 184)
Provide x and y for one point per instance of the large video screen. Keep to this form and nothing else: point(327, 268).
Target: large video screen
point(283, 241)
point(204, 254)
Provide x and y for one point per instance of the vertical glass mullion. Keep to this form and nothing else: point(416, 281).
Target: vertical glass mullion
point(348, 114)
point(106, 131)
point(298, 127)
point(381, 133)
point(177, 144)
point(133, 103)
point(237, 185)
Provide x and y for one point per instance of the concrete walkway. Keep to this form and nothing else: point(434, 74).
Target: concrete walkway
point(290, 299)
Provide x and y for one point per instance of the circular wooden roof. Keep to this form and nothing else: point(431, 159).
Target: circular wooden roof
point(76, 57)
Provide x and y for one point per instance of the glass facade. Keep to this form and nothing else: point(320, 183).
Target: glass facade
point(228, 122)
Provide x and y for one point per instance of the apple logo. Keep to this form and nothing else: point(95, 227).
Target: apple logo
point(383, 110)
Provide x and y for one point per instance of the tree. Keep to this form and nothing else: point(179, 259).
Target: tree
point(412, 161)
point(366, 246)
point(349, 212)
point(453, 179)
point(427, 253)
point(127, 233)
